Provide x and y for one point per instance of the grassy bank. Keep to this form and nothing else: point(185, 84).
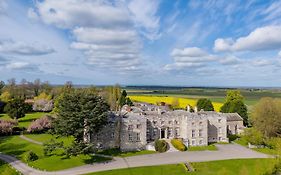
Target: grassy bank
point(6, 169)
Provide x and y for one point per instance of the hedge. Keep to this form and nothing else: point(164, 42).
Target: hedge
point(178, 144)
point(161, 146)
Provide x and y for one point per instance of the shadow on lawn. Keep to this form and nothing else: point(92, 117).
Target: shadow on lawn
point(96, 159)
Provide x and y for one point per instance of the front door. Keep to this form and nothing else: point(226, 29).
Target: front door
point(162, 134)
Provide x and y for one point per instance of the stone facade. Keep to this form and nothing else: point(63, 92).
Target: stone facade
point(135, 127)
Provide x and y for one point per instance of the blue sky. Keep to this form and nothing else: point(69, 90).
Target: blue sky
point(142, 42)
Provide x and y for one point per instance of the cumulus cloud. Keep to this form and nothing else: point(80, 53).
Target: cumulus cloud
point(261, 62)
point(279, 54)
point(144, 13)
point(73, 13)
point(230, 60)
point(104, 31)
point(21, 66)
point(263, 38)
point(190, 57)
point(22, 48)
point(3, 6)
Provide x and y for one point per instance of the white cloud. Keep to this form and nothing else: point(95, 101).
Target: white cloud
point(261, 62)
point(144, 13)
point(264, 38)
point(22, 48)
point(230, 60)
point(21, 66)
point(3, 6)
point(73, 13)
point(279, 54)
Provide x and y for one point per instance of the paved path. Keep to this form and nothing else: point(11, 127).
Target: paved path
point(30, 140)
point(225, 151)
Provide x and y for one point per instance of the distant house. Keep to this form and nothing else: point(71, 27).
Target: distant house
point(136, 127)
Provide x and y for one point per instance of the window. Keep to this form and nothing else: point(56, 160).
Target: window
point(219, 138)
point(170, 122)
point(200, 132)
point(155, 131)
point(193, 133)
point(219, 120)
point(130, 137)
point(177, 131)
point(138, 126)
point(193, 142)
point(193, 123)
point(200, 123)
point(138, 137)
point(220, 130)
point(200, 142)
point(170, 132)
point(176, 122)
point(154, 122)
point(130, 127)
point(162, 122)
point(112, 135)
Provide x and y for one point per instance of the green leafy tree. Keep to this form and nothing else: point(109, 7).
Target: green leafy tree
point(79, 113)
point(205, 104)
point(266, 117)
point(15, 108)
point(122, 99)
point(235, 103)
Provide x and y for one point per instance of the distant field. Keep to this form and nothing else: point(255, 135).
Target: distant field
point(252, 96)
point(183, 102)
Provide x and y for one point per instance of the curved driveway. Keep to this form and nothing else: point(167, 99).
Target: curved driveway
point(225, 151)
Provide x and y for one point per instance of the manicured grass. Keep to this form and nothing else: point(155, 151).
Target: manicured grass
point(47, 137)
point(243, 142)
point(234, 167)
point(18, 147)
point(27, 119)
point(211, 147)
point(183, 102)
point(223, 167)
point(177, 169)
point(6, 169)
point(118, 153)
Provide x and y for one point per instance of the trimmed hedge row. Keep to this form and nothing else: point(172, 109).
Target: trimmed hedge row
point(178, 144)
point(161, 146)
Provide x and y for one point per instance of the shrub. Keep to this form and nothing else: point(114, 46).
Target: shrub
point(178, 144)
point(2, 105)
point(30, 156)
point(232, 137)
point(40, 125)
point(161, 146)
point(253, 136)
point(15, 108)
point(6, 126)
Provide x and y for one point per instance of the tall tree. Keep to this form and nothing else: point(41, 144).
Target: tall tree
point(205, 104)
point(16, 108)
point(235, 103)
point(2, 85)
point(266, 117)
point(78, 111)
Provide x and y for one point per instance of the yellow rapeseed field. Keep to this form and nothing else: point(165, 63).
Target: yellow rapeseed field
point(183, 102)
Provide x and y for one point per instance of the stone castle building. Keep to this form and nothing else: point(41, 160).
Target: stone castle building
point(135, 128)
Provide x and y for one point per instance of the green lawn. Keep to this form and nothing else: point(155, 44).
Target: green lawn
point(224, 167)
point(234, 167)
point(211, 147)
point(47, 137)
point(177, 169)
point(6, 169)
point(27, 119)
point(243, 142)
point(14, 145)
point(118, 153)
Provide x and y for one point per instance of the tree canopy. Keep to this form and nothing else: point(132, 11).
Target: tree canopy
point(266, 117)
point(205, 104)
point(235, 103)
point(16, 108)
point(80, 110)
